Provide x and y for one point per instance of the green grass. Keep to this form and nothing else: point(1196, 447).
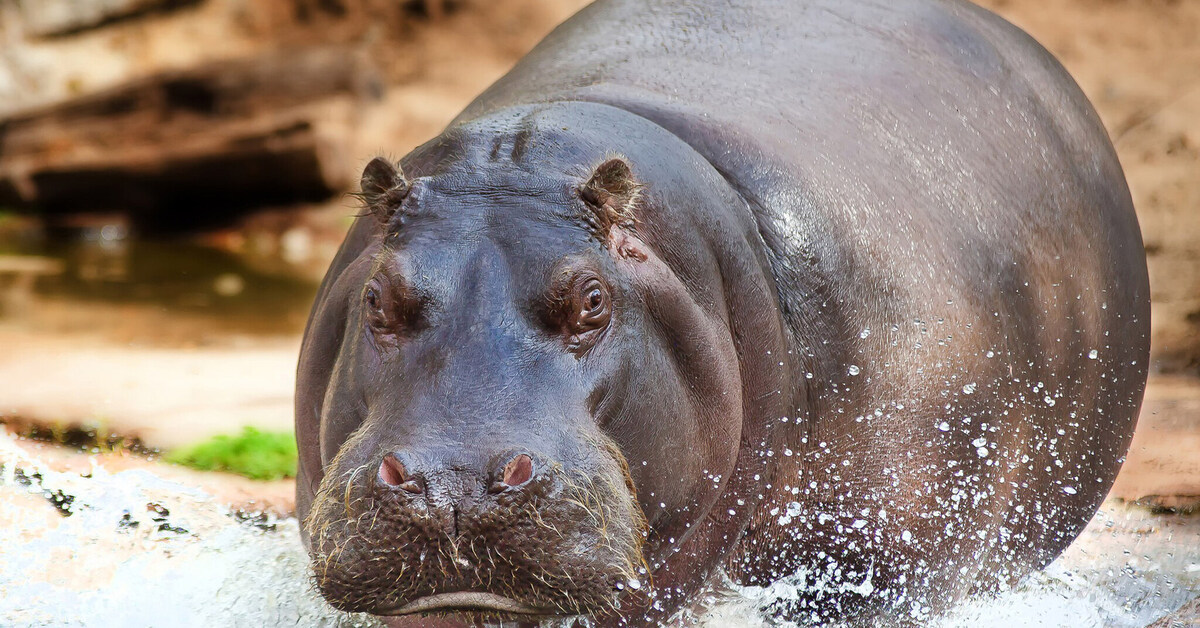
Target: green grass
point(254, 454)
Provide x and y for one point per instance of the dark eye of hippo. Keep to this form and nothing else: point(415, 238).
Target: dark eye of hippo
point(588, 311)
point(389, 311)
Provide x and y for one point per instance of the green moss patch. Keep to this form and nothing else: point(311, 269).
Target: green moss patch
point(254, 454)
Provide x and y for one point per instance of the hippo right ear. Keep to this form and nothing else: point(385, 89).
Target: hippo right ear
point(383, 188)
point(612, 194)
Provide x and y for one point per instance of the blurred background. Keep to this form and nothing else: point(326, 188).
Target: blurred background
point(173, 178)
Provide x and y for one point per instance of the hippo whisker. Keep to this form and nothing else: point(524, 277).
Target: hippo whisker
point(350, 487)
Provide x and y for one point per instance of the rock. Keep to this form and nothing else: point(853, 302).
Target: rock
point(46, 18)
point(189, 147)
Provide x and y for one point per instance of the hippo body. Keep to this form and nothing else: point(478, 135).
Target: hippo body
point(873, 304)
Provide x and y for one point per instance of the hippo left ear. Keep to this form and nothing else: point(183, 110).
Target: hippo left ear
point(612, 194)
point(383, 188)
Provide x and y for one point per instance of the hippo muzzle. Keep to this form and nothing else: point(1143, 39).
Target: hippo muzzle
point(522, 536)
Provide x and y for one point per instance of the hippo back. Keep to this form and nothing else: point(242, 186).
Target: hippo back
point(955, 251)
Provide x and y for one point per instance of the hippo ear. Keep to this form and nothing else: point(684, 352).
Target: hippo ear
point(612, 194)
point(383, 188)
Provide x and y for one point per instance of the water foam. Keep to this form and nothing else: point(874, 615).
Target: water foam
point(132, 549)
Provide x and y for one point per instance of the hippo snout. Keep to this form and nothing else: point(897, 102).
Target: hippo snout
point(516, 533)
point(394, 474)
point(444, 493)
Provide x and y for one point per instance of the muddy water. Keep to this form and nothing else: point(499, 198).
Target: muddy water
point(133, 549)
point(162, 281)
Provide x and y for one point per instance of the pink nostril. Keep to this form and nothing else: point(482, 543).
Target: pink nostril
point(393, 473)
point(518, 470)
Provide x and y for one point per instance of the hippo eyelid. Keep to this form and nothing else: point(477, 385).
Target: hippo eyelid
point(392, 310)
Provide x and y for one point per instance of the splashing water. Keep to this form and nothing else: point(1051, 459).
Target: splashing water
point(1127, 569)
point(130, 548)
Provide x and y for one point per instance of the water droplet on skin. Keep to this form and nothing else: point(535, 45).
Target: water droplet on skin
point(979, 442)
point(944, 426)
point(853, 369)
point(1093, 354)
point(991, 354)
point(1069, 490)
point(982, 452)
point(969, 388)
point(864, 333)
point(1049, 400)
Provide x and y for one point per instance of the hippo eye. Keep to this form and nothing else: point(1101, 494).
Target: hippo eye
point(595, 300)
point(594, 309)
point(374, 306)
point(372, 299)
point(392, 310)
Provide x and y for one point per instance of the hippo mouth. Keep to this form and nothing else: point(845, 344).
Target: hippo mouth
point(561, 546)
point(470, 601)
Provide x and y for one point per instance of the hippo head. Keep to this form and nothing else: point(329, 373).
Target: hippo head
point(514, 400)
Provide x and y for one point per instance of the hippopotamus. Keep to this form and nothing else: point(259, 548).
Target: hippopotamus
point(848, 295)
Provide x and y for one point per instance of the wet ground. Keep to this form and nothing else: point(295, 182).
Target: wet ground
point(97, 547)
point(170, 341)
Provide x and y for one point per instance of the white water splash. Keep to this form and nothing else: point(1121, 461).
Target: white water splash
point(138, 550)
point(1127, 569)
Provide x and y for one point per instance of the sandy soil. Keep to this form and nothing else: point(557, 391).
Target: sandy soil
point(1163, 467)
point(166, 396)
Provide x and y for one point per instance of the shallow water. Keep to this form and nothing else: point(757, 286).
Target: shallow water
point(260, 294)
point(132, 549)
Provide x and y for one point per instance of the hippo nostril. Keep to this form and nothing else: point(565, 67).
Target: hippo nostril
point(518, 471)
point(393, 473)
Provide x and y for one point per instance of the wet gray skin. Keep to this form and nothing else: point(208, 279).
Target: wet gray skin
point(853, 290)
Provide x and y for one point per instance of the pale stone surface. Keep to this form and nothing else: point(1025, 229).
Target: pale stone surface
point(56, 17)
